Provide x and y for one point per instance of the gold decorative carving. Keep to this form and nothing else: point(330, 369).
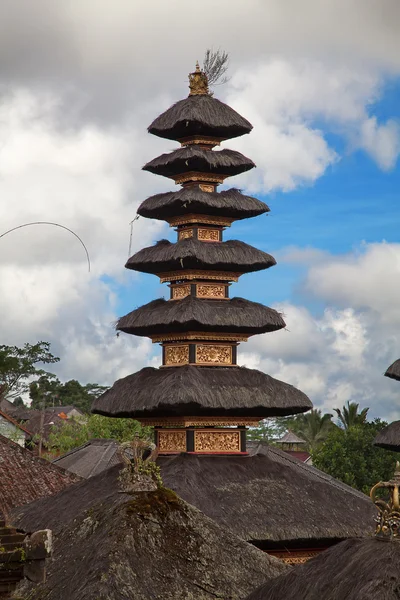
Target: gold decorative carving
point(176, 355)
point(189, 275)
point(207, 188)
point(171, 441)
point(297, 557)
point(217, 441)
point(202, 219)
point(200, 140)
point(180, 291)
point(211, 290)
point(388, 519)
point(185, 233)
point(209, 235)
point(198, 82)
point(209, 354)
point(199, 336)
point(201, 421)
point(198, 176)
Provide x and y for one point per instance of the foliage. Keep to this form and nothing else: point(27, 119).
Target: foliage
point(215, 65)
point(50, 391)
point(349, 415)
point(19, 403)
point(73, 433)
point(19, 365)
point(267, 431)
point(349, 455)
point(313, 427)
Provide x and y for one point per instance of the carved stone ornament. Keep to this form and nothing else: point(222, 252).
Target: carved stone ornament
point(171, 441)
point(217, 441)
point(388, 519)
point(176, 355)
point(208, 354)
point(198, 82)
point(209, 235)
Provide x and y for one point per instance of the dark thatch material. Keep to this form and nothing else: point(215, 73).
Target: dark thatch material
point(232, 255)
point(200, 391)
point(199, 115)
point(192, 200)
point(198, 314)
point(389, 437)
point(394, 370)
point(352, 570)
point(90, 459)
point(193, 158)
point(270, 497)
point(118, 546)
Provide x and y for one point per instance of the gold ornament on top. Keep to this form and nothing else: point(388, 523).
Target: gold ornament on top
point(198, 82)
point(388, 519)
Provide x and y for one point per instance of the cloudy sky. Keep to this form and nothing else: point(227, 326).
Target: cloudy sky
point(79, 83)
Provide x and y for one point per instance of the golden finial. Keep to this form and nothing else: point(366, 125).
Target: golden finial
point(388, 520)
point(198, 82)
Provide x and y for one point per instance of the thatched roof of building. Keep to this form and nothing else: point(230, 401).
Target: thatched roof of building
point(192, 200)
point(389, 437)
point(24, 477)
point(290, 438)
point(199, 115)
point(199, 314)
point(270, 497)
point(190, 253)
point(194, 158)
point(90, 459)
point(200, 391)
point(142, 545)
point(352, 570)
point(394, 370)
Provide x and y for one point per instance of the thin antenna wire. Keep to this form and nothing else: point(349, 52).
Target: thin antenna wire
point(55, 225)
point(131, 235)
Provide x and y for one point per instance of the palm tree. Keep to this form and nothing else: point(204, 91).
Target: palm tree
point(349, 415)
point(314, 427)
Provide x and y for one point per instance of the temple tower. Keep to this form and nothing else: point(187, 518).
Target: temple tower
point(200, 400)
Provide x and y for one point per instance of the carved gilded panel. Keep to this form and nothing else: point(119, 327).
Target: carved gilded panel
point(180, 292)
point(217, 441)
point(205, 290)
point(208, 235)
point(185, 234)
point(214, 354)
point(172, 441)
point(206, 188)
point(176, 355)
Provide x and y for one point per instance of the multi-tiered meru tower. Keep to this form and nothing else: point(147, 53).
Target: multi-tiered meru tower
point(200, 400)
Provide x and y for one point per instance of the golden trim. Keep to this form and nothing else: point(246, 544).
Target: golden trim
point(201, 421)
point(205, 187)
point(199, 219)
point(209, 441)
point(295, 557)
point(203, 139)
point(189, 274)
point(200, 336)
point(198, 176)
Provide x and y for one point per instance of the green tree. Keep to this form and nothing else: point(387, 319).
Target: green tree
point(268, 430)
point(312, 426)
point(349, 415)
point(19, 365)
point(72, 434)
point(349, 455)
point(50, 391)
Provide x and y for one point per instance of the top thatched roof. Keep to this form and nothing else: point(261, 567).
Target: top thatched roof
point(194, 158)
point(199, 115)
point(115, 546)
point(200, 391)
point(389, 437)
point(270, 497)
point(199, 314)
point(352, 570)
point(191, 253)
point(192, 200)
point(394, 370)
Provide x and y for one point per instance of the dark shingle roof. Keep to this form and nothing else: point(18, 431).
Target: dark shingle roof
point(90, 459)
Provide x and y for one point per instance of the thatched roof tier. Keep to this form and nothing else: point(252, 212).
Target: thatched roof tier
point(352, 570)
point(141, 545)
point(199, 115)
point(389, 437)
point(200, 391)
point(192, 200)
point(394, 370)
point(198, 314)
point(290, 438)
point(270, 497)
point(191, 253)
point(192, 158)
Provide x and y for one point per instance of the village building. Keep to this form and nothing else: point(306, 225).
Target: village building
point(295, 446)
point(200, 401)
point(11, 429)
